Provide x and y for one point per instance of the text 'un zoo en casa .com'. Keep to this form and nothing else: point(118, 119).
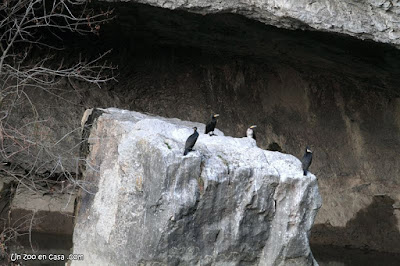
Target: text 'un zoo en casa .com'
point(44, 257)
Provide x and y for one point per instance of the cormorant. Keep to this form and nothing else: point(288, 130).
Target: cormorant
point(211, 124)
point(191, 140)
point(250, 133)
point(306, 160)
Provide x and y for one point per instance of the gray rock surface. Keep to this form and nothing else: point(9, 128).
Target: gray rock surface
point(226, 203)
point(378, 20)
point(338, 94)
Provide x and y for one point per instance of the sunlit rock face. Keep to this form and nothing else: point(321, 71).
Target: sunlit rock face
point(226, 203)
point(377, 20)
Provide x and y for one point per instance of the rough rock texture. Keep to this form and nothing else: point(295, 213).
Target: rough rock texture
point(378, 20)
point(227, 203)
point(339, 95)
point(336, 93)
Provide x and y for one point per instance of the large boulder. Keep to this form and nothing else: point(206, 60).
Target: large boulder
point(377, 20)
point(226, 203)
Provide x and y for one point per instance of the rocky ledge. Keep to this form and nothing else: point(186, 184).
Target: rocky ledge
point(377, 20)
point(226, 203)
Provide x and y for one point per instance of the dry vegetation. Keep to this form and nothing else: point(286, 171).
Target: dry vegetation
point(26, 26)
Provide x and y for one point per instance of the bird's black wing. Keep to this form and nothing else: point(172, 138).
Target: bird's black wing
point(208, 127)
point(306, 161)
point(191, 140)
point(211, 125)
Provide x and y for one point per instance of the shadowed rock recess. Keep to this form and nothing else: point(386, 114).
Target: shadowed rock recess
point(226, 203)
point(369, 19)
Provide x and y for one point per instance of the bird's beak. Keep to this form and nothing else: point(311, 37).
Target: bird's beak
point(253, 126)
point(216, 115)
point(308, 150)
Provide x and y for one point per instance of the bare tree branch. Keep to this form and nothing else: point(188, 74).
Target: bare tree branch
point(26, 26)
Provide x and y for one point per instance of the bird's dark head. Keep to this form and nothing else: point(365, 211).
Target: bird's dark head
point(195, 128)
point(253, 127)
point(308, 150)
point(215, 116)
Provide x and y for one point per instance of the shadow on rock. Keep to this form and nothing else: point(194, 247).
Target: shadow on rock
point(339, 256)
point(373, 228)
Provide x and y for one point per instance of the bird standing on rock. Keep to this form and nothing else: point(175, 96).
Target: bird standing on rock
point(250, 133)
point(306, 160)
point(191, 140)
point(211, 125)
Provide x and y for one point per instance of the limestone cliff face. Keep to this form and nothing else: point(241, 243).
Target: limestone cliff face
point(377, 20)
point(338, 94)
point(226, 203)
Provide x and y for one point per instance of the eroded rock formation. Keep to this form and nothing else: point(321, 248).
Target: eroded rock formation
point(226, 203)
point(377, 20)
point(338, 94)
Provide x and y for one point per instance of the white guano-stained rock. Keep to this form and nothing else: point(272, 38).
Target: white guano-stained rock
point(226, 203)
point(377, 20)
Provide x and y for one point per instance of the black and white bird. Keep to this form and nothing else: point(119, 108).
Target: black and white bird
point(191, 140)
point(250, 133)
point(211, 125)
point(306, 160)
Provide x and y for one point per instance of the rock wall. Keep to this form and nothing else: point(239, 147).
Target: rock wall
point(338, 94)
point(377, 20)
point(226, 203)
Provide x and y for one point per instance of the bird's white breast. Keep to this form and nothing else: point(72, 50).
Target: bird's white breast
point(249, 133)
